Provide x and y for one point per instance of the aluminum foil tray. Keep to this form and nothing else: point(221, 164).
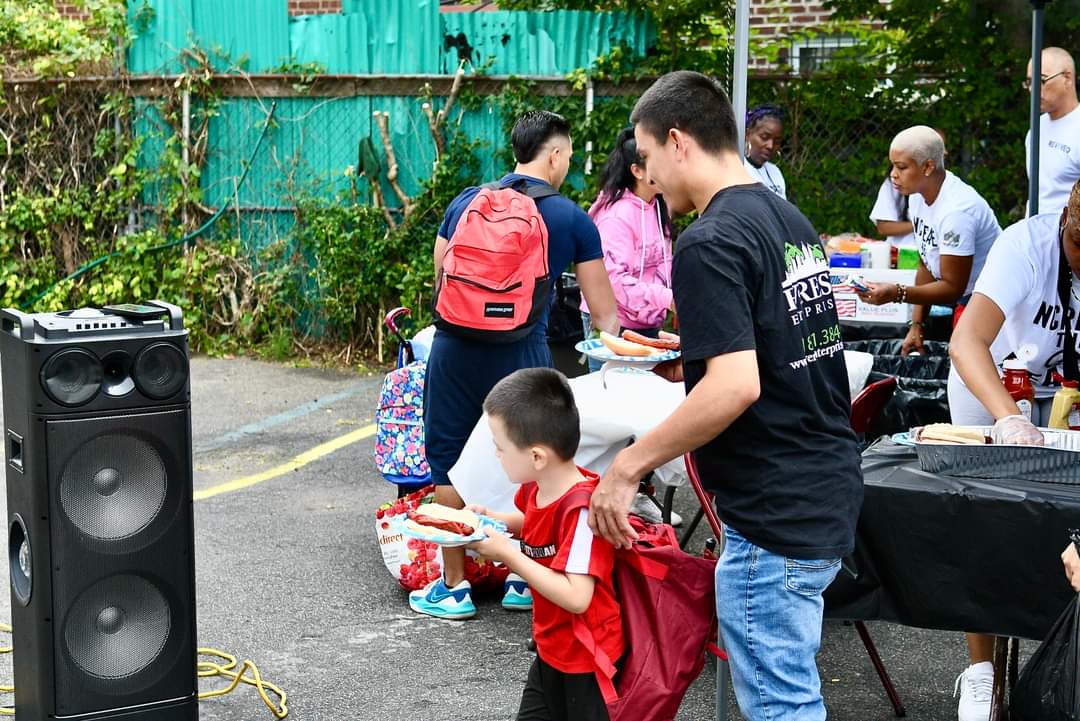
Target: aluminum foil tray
point(1056, 462)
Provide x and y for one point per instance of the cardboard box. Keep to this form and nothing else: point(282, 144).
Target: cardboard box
point(853, 311)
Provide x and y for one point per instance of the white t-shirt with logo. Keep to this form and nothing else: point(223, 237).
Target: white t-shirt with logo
point(959, 222)
point(1021, 276)
point(890, 206)
point(1059, 159)
point(768, 175)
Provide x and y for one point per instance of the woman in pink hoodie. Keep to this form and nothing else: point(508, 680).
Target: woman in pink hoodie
point(635, 232)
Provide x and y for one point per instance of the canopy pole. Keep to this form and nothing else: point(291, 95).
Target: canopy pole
point(738, 83)
point(1036, 89)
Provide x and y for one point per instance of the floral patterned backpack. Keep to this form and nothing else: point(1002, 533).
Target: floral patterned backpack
point(399, 424)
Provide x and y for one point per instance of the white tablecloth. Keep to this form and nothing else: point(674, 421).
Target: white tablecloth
point(631, 405)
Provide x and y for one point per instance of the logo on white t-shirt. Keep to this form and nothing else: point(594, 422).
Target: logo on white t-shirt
point(924, 232)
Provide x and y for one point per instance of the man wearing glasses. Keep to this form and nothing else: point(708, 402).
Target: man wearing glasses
point(1059, 129)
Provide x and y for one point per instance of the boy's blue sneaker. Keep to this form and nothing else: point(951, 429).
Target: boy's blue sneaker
point(438, 600)
point(516, 594)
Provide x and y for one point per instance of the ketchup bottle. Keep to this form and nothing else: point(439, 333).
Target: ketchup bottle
point(1018, 384)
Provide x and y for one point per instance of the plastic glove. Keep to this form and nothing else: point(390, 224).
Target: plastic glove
point(1016, 430)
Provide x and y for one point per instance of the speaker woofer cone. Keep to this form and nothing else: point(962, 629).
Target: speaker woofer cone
point(117, 369)
point(72, 377)
point(117, 627)
point(20, 561)
point(161, 370)
point(113, 486)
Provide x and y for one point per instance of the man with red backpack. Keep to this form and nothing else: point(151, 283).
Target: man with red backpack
point(498, 253)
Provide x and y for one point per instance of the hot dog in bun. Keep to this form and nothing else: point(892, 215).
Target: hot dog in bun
point(435, 519)
point(671, 342)
point(947, 433)
point(618, 346)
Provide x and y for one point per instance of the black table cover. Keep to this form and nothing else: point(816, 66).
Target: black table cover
point(952, 553)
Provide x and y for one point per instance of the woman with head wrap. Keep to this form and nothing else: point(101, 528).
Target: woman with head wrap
point(764, 135)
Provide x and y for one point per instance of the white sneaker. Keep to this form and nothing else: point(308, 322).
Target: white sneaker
point(648, 511)
point(975, 686)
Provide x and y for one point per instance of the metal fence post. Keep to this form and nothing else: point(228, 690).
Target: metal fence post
point(185, 152)
point(588, 111)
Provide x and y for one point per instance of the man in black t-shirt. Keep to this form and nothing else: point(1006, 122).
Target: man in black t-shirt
point(767, 405)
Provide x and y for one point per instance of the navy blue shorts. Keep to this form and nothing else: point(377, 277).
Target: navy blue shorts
point(460, 374)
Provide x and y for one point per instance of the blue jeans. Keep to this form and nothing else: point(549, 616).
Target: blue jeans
point(770, 610)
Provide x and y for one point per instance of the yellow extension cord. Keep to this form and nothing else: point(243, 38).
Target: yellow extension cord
point(205, 669)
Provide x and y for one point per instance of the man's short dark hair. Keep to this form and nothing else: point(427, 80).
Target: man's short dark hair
point(533, 129)
point(692, 103)
point(537, 407)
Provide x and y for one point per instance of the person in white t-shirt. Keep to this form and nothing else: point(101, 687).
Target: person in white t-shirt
point(890, 212)
point(1016, 303)
point(890, 216)
point(1059, 129)
point(764, 135)
point(953, 224)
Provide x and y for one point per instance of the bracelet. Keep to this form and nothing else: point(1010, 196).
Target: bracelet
point(901, 293)
point(916, 323)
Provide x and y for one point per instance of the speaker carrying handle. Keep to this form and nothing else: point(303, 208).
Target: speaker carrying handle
point(176, 316)
point(11, 318)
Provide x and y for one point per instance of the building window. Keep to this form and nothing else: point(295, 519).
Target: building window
point(810, 55)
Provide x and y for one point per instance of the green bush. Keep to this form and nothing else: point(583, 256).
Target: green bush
point(358, 267)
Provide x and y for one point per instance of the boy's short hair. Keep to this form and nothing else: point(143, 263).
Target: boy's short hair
point(533, 129)
point(692, 103)
point(537, 407)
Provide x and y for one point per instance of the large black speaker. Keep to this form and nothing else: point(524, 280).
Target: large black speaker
point(97, 433)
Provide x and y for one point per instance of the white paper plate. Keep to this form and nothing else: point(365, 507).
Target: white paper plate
point(445, 538)
point(595, 348)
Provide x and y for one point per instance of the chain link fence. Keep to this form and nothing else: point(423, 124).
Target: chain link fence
point(329, 146)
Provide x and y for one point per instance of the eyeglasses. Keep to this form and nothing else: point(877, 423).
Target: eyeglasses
point(1045, 79)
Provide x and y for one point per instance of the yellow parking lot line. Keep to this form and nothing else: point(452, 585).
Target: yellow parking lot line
point(300, 461)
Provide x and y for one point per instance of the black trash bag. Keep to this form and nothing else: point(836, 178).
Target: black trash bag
point(916, 402)
point(934, 363)
point(924, 367)
point(1047, 689)
point(891, 346)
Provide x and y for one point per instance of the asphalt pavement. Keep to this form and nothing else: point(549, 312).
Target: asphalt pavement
point(290, 576)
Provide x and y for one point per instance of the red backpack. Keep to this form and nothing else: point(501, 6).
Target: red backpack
point(495, 279)
point(667, 599)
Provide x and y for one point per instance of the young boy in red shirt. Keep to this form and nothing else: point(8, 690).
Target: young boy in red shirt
point(536, 429)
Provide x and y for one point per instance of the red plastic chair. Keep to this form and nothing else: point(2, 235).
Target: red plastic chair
point(864, 409)
point(870, 402)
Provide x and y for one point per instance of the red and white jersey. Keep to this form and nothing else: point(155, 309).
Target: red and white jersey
point(558, 536)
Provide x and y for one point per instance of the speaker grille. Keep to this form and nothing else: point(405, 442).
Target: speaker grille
point(121, 560)
point(117, 627)
point(113, 487)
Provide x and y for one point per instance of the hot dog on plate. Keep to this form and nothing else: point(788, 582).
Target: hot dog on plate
point(435, 519)
point(671, 342)
point(618, 346)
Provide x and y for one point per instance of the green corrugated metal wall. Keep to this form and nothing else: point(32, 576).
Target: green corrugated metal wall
point(319, 136)
point(550, 43)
